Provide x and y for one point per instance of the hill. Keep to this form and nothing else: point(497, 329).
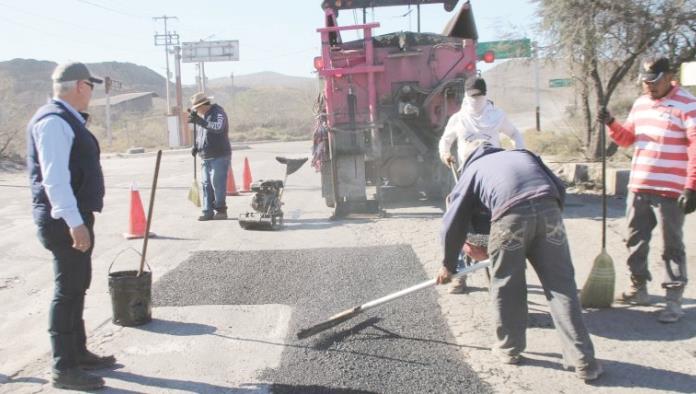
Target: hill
point(265, 78)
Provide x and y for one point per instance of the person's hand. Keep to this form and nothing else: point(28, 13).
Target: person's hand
point(447, 159)
point(195, 119)
point(81, 238)
point(604, 116)
point(194, 151)
point(443, 276)
point(477, 253)
point(687, 201)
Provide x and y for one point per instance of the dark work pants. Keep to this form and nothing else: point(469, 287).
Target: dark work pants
point(641, 209)
point(72, 271)
point(534, 230)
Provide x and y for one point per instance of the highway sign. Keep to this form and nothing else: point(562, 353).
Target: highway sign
point(210, 51)
point(560, 83)
point(505, 49)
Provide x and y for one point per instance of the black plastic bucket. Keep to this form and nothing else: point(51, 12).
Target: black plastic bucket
point(131, 297)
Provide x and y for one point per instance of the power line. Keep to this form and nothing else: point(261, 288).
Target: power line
point(112, 10)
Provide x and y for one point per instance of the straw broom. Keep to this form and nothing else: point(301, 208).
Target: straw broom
point(598, 291)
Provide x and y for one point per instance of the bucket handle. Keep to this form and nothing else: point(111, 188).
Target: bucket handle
point(120, 253)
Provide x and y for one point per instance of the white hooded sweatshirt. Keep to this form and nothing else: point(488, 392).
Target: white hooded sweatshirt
point(477, 119)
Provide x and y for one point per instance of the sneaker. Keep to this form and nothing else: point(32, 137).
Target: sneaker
point(90, 361)
point(636, 294)
point(76, 379)
point(220, 216)
point(204, 218)
point(458, 285)
point(589, 371)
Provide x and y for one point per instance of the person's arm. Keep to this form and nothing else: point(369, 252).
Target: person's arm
point(447, 139)
point(624, 135)
point(513, 133)
point(690, 124)
point(217, 122)
point(456, 222)
point(53, 139)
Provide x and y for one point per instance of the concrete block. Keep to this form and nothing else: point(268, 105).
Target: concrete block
point(617, 181)
point(573, 173)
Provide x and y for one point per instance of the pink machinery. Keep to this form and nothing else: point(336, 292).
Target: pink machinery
point(386, 99)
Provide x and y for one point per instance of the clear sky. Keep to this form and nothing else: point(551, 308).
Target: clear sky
point(274, 35)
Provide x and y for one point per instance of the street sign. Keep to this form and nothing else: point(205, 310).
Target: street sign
point(210, 51)
point(560, 83)
point(688, 74)
point(506, 49)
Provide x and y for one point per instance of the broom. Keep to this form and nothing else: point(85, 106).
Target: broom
point(194, 194)
point(598, 291)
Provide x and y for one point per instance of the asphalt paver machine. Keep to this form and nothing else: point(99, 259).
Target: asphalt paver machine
point(385, 102)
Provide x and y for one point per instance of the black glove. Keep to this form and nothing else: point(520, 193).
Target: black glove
point(687, 201)
point(195, 119)
point(605, 116)
point(194, 151)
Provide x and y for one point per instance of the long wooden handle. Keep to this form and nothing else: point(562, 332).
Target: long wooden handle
point(149, 212)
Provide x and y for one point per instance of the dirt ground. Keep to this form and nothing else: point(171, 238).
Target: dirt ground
point(638, 353)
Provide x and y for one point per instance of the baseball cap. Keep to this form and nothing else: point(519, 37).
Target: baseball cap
point(477, 88)
point(73, 72)
point(652, 69)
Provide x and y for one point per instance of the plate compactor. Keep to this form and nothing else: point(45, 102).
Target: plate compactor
point(267, 205)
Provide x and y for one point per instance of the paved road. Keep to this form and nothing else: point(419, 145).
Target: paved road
point(179, 353)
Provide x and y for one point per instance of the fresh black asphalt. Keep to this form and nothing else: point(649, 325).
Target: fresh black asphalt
point(401, 347)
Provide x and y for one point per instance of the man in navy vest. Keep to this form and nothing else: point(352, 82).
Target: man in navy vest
point(67, 187)
point(212, 144)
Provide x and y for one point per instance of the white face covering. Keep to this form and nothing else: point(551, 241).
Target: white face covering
point(475, 105)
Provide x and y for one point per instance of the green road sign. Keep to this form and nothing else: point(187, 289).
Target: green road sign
point(560, 83)
point(505, 49)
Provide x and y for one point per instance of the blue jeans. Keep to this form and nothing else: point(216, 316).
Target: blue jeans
point(534, 230)
point(72, 275)
point(214, 184)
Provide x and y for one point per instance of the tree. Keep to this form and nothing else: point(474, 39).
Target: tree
point(604, 39)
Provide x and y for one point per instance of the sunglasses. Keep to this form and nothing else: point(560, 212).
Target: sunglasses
point(90, 84)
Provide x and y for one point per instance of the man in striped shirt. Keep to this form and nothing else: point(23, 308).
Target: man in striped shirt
point(662, 127)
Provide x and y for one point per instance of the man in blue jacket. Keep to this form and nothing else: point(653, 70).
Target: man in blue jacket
point(212, 144)
point(525, 200)
point(67, 187)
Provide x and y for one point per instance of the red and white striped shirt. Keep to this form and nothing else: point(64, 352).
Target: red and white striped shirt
point(664, 134)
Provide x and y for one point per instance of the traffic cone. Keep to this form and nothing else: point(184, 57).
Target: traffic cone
point(231, 186)
point(246, 177)
point(136, 222)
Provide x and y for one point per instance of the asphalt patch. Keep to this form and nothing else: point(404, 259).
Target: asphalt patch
point(401, 347)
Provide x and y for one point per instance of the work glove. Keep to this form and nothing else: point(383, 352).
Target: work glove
point(687, 201)
point(604, 116)
point(195, 119)
point(194, 151)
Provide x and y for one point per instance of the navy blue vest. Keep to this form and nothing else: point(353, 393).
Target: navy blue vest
point(86, 178)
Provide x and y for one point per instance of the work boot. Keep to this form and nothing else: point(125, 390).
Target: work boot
point(205, 217)
point(589, 371)
point(510, 359)
point(673, 309)
point(458, 285)
point(91, 361)
point(637, 293)
point(76, 379)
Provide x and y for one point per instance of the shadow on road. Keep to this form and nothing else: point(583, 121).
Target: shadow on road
point(6, 380)
point(170, 384)
point(169, 327)
point(629, 324)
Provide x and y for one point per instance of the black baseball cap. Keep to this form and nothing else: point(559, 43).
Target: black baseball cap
point(477, 88)
point(654, 68)
point(73, 72)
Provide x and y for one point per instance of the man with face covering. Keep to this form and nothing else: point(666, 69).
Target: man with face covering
point(477, 120)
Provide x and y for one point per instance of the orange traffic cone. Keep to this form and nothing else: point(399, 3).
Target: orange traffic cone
point(136, 222)
point(231, 186)
point(246, 177)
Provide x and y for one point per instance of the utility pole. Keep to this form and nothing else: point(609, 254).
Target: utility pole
point(166, 39)
point(181, 124)
point(107, 88)
point(535, 53)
